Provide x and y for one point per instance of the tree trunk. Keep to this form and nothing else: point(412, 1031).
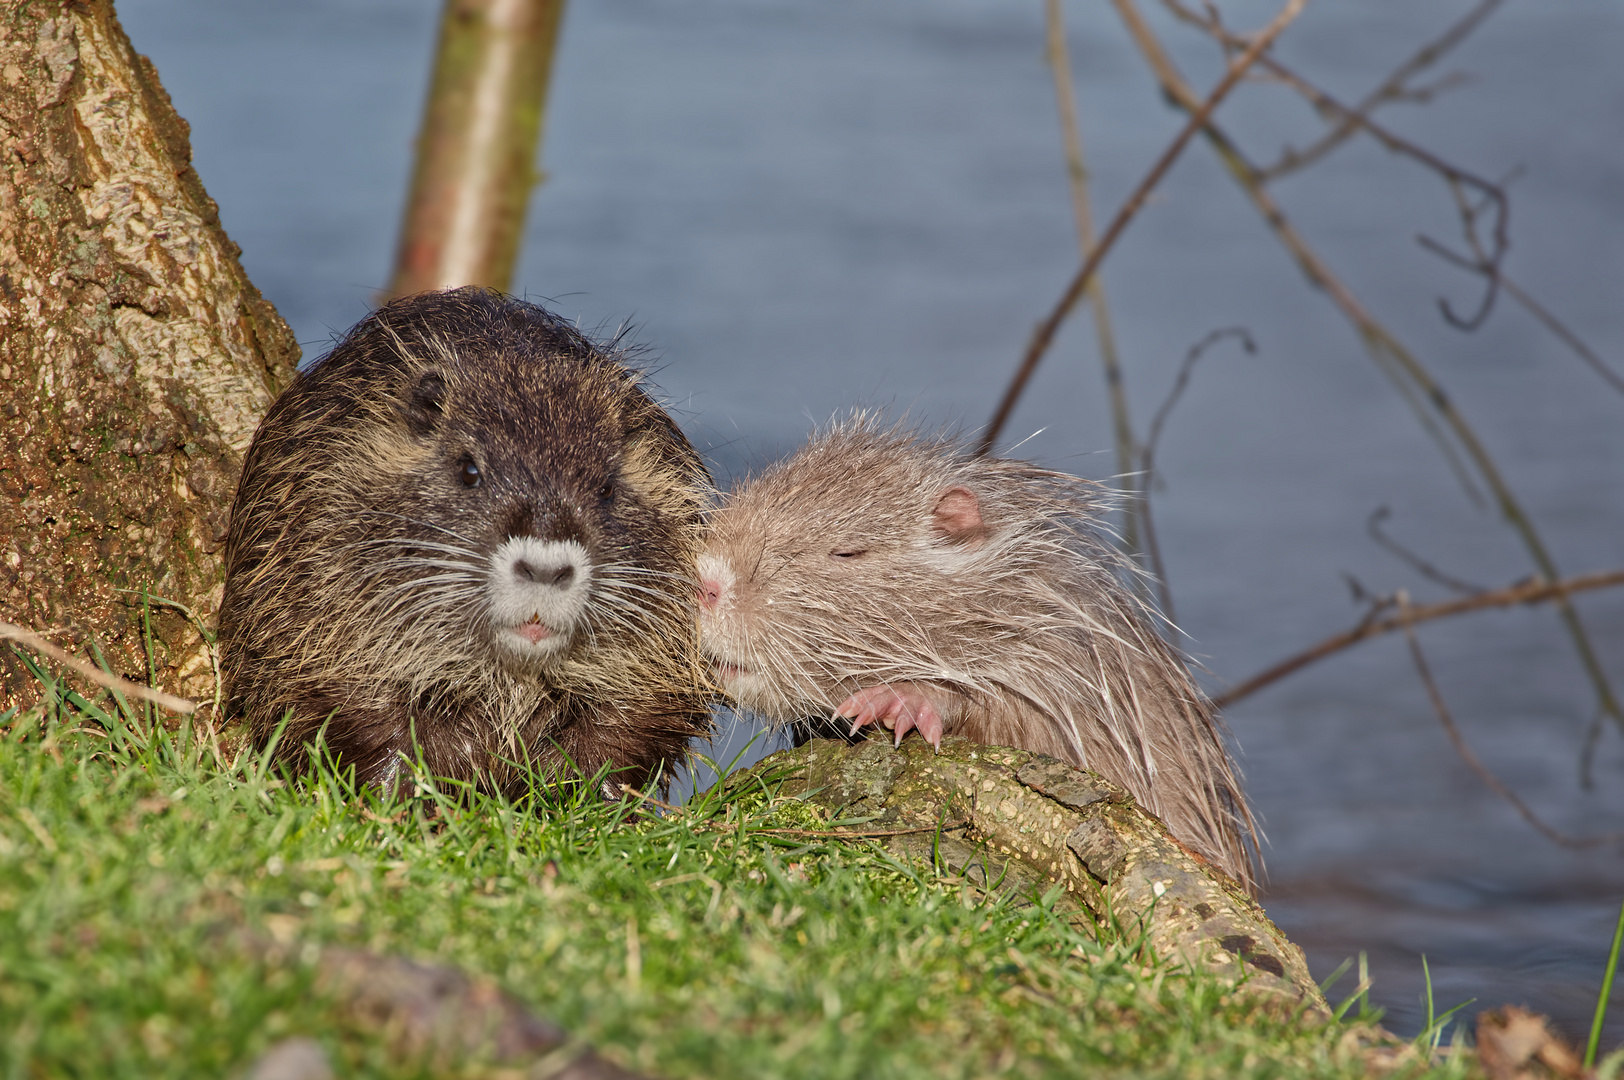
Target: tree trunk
point(135, 356)
point(476, 152)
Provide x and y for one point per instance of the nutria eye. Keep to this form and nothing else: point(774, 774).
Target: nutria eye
point(607, 492)
point(847, 553)
point(469, 474)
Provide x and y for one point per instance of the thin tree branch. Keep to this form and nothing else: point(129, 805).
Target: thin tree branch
point(1147, 459)
point(1381, 345)
point(95, 674)
point(1459, 179)
point(1533, 307)
point(1406, 371)
point(1473, 762)
point(1043, 337)
point(1528, 592)
point(1077, 175)
point(1394, 88)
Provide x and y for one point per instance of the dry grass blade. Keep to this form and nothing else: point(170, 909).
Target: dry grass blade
point(90, 671)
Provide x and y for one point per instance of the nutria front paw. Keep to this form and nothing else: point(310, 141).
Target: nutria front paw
point(901, 708)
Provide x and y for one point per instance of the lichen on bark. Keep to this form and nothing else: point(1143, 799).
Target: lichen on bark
point(1023, 823)
point(136, 357)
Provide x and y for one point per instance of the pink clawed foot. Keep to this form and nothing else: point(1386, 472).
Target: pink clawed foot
point(901, 710)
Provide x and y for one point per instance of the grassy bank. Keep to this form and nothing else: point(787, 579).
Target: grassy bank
point(160, 911)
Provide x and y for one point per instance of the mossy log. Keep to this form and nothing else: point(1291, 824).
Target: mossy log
point(135, 356)
point(1023, 823)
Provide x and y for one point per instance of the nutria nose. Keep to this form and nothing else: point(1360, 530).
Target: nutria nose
point(710, 593)
point(550, 575)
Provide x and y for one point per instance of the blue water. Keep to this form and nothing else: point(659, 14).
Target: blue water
point(808, 207)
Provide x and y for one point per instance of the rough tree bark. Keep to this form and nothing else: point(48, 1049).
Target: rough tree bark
point(1018, 822)
point(135, 356)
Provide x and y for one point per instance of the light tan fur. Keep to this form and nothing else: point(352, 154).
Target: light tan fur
point(835, 575)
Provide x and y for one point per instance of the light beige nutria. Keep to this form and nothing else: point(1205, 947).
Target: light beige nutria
point(469, 533)
point(894, 578)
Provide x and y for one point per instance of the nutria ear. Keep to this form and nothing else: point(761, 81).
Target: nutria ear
point(425, 405)
point(957, 516)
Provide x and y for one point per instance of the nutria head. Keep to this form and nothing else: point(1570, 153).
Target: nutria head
point(468, 531)
point(892, 576)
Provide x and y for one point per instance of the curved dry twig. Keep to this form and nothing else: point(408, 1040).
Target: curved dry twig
point(1473, 762)
point(95, 674)
point(1373, 525)
point(1529, 592)
point(1043, 336)
point(1147, 455)
point(1539, 311)
point(1431, 403)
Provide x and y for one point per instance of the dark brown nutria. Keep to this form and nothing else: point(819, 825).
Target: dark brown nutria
point(468, 532)
point(893, 578)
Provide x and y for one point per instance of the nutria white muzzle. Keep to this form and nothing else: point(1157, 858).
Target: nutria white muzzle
point(539, 594)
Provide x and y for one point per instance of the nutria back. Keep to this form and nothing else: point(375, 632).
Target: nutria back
point(467, 533)
point(978, 588)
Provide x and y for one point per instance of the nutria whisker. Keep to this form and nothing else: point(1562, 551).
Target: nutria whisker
point(631, 570)
point(622, 585)
point(461, 569)
point(418, 543)
point(419, 522)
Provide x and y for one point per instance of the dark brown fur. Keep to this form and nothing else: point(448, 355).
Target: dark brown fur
point(371, 566)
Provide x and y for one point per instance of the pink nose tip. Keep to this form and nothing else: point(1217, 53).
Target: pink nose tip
point(710, 593)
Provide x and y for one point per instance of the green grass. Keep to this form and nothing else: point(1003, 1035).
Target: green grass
point(136, 872)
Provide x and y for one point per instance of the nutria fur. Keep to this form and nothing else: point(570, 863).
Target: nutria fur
point(468, 532)
point(893, 577)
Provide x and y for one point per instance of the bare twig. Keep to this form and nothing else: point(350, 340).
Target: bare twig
point(1492, 196)
point(1147, 459)
point(1473, 762)
point(1533, 307)
point(1394, 88)
point(1469, 214)
point(1383, 347)
point(1043, 337)
point(1374, 525)
point(1077, 173)
point(95, 674)
point(1408, 375)
point(1528, 592)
